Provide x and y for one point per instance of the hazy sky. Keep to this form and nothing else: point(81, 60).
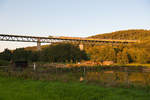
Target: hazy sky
point(70, 17)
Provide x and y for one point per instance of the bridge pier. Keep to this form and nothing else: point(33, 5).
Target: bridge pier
point(81, 46)
point(38, 44)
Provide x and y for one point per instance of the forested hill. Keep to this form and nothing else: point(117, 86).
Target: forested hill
point(125, 34)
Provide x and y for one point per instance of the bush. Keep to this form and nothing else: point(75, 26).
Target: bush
point(4, 63)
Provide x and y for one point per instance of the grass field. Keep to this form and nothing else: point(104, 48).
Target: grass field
point(134, 64)
point(19, 89)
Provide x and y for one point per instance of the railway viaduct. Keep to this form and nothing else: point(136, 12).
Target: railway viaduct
point(75, 40)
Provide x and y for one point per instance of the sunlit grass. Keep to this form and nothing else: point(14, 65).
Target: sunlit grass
point(136, 64)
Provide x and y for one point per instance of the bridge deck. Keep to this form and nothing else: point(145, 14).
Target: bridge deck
point(20, 38)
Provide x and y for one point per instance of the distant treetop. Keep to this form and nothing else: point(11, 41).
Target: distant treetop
point(134, 34)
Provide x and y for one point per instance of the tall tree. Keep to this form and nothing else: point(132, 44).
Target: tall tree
point(63, 53)
point(6, 55)
point(122, 57)
point(22, 54)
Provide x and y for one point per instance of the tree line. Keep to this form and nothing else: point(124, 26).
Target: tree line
point(133, 53)
point(133, 34)
point(121, 54)
point(62, 52)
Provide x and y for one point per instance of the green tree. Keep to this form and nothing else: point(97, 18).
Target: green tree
point(102, 53)
point(21, 54)
point(122, 57)
point(35, 56)
point(119, 57)
point(142, 56)
point(125, 57)
point(63, 52)
point(6, 55)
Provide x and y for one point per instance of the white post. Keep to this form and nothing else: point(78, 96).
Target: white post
point(34, 66)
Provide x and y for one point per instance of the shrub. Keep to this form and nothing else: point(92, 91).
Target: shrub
point(4, 63)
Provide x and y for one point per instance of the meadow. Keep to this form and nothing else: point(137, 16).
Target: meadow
point(20, 89)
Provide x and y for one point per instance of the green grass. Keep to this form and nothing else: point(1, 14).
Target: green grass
point(136, 64)
point(19, 89)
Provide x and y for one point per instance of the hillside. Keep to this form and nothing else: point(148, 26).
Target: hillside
point(125, 34)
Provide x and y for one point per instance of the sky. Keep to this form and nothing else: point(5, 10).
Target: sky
point(77, 18)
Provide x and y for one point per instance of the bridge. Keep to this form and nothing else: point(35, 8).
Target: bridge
point(53, 39)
